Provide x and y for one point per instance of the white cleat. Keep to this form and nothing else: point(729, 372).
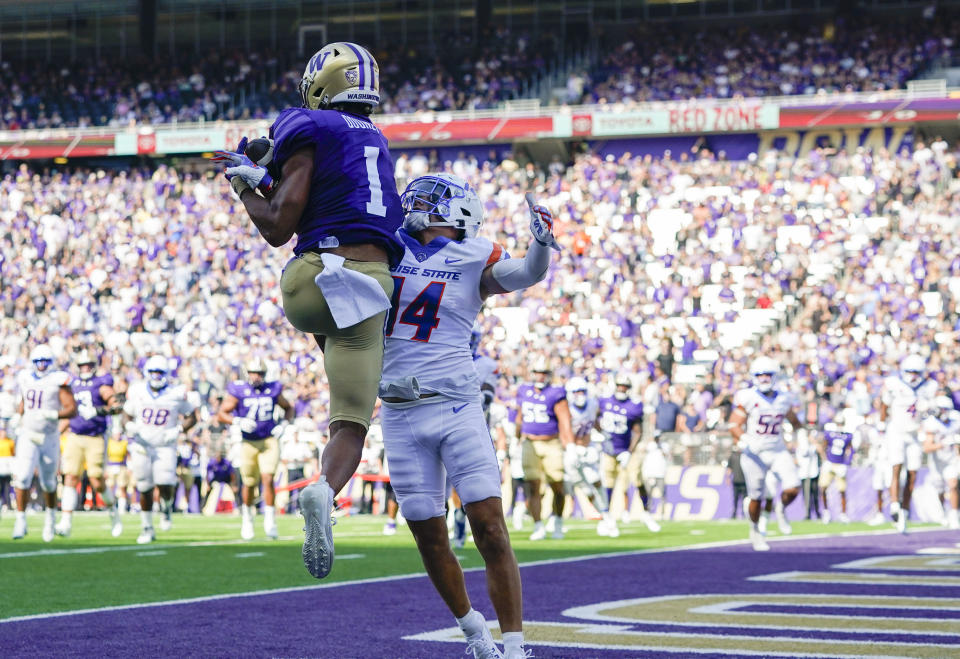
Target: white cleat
point(758, 541)
point(517, 518)
point(48, 531)
point(482, 646)
point(826, 517)
point(784, 525)
point(902, 521)
point(270, 530)
point(165, 524)
point(390, 528)
point(19, 528)
point(843, 519)
point(614, 532)
point(316, 506)
point(651, 523)
point(116, 525)
point(63, 528)
point(551, 524)
point(146, 536)
point(558, 532)
point(877, 520)
point(762, 524)
point(539, 532)
point(603, 529)
point(246, 528)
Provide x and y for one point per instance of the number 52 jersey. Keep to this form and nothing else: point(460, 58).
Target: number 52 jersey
point(765, 417)
point(436, 299)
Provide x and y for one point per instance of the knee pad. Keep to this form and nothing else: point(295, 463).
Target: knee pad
point(144, 486)
point(420, 507)
point(48, 482)
point(22, 484)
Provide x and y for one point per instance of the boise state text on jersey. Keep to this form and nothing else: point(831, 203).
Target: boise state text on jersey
point(353, 195)
point(537, 416)
point(617, 418)
point(436, 299)
point(257, 403)
point(87, 392)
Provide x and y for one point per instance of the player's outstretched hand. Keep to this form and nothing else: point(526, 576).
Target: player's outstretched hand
point(541, 223)
point(242, 172)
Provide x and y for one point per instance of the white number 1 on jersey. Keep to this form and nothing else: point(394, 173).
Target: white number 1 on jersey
point(375, 205)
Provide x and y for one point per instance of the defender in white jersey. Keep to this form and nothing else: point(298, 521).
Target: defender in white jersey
point(581, 460)
point(487, 371)
point(44, 399)
point(941, 443)
point(156, 414)
point(432, 415)
point(905, 399)
point(757, 427)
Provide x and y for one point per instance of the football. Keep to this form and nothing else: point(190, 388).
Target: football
point(260, 151)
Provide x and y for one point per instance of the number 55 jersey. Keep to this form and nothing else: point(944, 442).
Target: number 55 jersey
point(436, 299)
point(765, 417)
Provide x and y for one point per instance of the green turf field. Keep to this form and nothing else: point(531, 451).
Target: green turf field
point(203, 556)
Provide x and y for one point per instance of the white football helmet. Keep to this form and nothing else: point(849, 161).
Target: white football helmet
point(447, 200)
point(577, 390)
point(622, 384)
point(42, 358)
point(764, 371)
point(944, 407)
point(85, 358)
point(255, 365)
point(340, 72)
point(541, 367)
point(156, 371)
point(913, 370)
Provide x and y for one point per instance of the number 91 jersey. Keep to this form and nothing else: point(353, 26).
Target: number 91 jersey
point(436, 299)
point(156, 412)
point(765, 417)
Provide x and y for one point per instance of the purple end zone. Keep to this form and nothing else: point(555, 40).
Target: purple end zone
point(370, 620)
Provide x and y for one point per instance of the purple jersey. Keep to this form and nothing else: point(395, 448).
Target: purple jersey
point(537, 413)
point(219, 471)
point(256, 403)
point(839, 447)
point(87, 392)
point(353, 194)
point(617, 418)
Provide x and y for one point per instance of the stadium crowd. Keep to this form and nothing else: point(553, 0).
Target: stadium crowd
point(663, 260)
point(658, 63)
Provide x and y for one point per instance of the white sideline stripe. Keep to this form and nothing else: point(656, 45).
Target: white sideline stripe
point(401, 577)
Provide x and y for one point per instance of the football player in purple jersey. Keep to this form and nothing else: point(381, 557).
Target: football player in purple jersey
point(545, 427)
point(327, 178)
point(251, 406)
point(86, 440)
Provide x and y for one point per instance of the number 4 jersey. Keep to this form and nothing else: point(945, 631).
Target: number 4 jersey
point(436, 299)
point(157, 412)
point(765, 416)
point(353, 195)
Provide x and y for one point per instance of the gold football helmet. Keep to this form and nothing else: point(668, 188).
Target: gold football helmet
point(340, 72)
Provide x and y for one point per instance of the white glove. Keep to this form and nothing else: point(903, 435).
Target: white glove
point(541, 224)
point(171, 435)
point(247, 425)
point(87, 411)
point(623, 459)
point(415, 221)
point(279, 429)
point(49, 415)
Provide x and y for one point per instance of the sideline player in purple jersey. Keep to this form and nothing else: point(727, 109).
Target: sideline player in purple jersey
point(86, 442)
point(838, 453)
point(546, 430)
point(251, 406)
point(327, 177)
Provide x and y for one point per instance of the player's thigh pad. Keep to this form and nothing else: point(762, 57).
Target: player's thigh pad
point(826, 475)
point(896, 447)
point(882, 476)
point(913, 454)
point(353, 356)
point(532, 469)
point(94, 454)
point(786, 470)
point(269, 459)
point(25, 463)
point(755, 467)
point(250, 461)
point(467, 451)
point(49, 463)
point(165, 465)
point(141, 465)
point(411, 439)
point(549, 455)
point(73, 458)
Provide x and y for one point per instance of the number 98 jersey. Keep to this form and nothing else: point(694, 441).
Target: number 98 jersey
point(765, 417)
point(436, 299)
point(156, 412)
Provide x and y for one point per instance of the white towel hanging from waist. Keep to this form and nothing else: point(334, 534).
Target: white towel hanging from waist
point(352, 296)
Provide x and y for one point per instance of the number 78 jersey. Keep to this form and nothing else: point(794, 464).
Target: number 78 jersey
point(156, 412)
point(765, 417)
point(436, 299)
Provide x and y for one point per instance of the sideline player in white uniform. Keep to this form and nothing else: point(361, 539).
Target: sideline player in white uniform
point(581, 460)
point(942, 443)
point(905, 399)
point(433, 420)
point(757, 426)
point(44, 398)
point(880, 479)
point(152, 413)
